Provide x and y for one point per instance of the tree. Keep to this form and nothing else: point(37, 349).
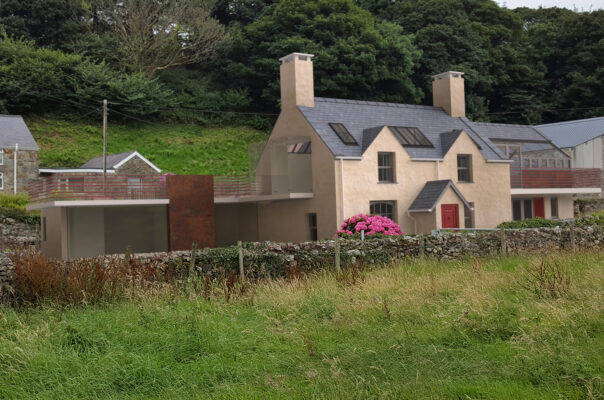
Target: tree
point(52, 23)
point(355, 56)
point(155, 35)
point(242, 11)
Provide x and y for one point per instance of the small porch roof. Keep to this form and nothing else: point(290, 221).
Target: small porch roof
point(431, 193)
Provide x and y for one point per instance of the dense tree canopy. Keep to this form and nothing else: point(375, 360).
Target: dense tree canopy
point(523, 65)
point(355, 56)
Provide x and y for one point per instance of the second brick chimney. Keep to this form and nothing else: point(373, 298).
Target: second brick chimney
point(297, 84)
point(448, 93)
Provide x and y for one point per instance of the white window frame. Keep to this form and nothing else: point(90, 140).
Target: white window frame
point(390, 203)
point(467, 169)
point(386, 169)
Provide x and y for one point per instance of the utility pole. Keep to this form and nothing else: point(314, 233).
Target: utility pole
point(15, 166)
point(105, 137)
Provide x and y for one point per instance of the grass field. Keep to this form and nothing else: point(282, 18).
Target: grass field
point(177, 148)
point(417, 330)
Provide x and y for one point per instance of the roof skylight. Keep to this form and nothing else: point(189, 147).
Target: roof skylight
point(343, 133)
point(410, 136)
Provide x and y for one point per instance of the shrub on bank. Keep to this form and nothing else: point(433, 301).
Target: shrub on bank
point(596, 218)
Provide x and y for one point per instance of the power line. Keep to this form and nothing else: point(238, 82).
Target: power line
point(545, 109)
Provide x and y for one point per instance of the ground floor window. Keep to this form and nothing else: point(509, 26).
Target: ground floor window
point(554, 207)
point(468, 216)
point(312, 226)
point(522, 209)
point(1, 181)
point(385, 208)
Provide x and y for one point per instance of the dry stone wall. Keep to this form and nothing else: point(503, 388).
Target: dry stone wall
point(280, 259)
point(269, 259)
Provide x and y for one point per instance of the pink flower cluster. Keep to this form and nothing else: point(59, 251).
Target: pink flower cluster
point(371, 224)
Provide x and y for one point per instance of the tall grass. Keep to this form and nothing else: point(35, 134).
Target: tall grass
point(14, 201)
point(421, 329)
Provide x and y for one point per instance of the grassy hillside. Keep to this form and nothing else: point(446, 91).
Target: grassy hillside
point(178, 148)
point(418, 330)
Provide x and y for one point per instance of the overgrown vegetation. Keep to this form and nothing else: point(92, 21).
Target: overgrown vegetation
point(177, 148)
point(14, 207)
point(419, 329)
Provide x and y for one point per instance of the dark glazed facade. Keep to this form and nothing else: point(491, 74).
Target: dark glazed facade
point(191, 211)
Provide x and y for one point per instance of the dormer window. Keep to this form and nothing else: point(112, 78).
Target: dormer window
point(343, 134)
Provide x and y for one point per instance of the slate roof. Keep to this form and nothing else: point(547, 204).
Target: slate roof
point(432, 191)
point(112, 160)
point(573, 133)
point(14, 131)
point(362, 118)
point(447, 139)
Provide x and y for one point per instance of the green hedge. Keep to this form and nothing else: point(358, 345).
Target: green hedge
point(588, 220)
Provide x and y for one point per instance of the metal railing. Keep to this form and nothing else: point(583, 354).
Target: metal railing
point(236, 186)
point(97, 187)
point(532, 178)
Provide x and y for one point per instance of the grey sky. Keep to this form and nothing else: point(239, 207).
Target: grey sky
point(581, 5)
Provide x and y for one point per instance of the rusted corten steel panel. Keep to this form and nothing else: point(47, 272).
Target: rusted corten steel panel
point(191, 211)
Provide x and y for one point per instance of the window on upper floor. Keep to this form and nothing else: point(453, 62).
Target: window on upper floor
point(1, 156)
point(464, 168)
point(385, 167)
point(385, 208)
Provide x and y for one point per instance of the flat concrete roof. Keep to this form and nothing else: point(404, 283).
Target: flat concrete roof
point(97, 203)
point(267, 197)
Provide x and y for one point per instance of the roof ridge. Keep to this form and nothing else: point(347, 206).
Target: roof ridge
point(374, 103)
point(499, 124)
point(573, 121)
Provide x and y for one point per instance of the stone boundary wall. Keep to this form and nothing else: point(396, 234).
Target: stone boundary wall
point(16, 233)
point(588, 205)
point(269, 259)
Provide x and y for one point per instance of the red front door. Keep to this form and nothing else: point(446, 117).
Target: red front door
point(538, 207)
point(450, 213)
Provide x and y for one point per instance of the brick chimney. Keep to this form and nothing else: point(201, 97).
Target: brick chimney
point(448, 93)
point(297, 84)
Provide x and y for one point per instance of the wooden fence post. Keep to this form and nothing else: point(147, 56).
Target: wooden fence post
point(241, 271)
point(193, 259)
point(337, 250)
point(503, 244)
point(572, 236)
point(421, 246)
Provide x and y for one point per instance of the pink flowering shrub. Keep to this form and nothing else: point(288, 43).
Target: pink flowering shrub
point(371, 224)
